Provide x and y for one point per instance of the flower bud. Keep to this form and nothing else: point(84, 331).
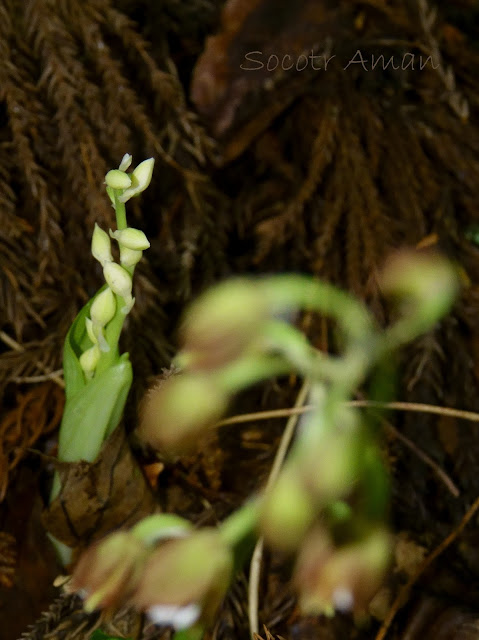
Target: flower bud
point(89, 360)
point(118, 279)
point(109, 570)
point(103, 308)
point(223, 323)
point(129, 257)
point(178, 410)
point(427, 280)
point(125, 162)
point(117, 179)
point(342, 578)
point(287, 511)
point(140, 179)
point(101, 246)
point(185, 579)
point(131, 238)
point(329, 456)
point(89, 330)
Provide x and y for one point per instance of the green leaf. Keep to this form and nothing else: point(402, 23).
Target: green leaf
point(76, 342)
point(93, 412)
point(193, 633)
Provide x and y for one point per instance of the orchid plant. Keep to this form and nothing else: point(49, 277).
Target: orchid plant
point(327, 507)
point(97, 377)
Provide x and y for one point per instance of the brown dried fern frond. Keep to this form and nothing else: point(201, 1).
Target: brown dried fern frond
point(8, 559)
point(36, 413)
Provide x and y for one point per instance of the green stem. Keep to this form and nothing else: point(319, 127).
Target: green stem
point(240, 524)
point(302, 292)
point(251, 369)
point(310, 362)
point(120, 211)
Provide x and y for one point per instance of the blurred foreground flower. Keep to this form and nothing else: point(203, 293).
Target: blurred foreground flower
point(287, 511)
point(185, 580)
point(179, 409)
point(426, 286)
point(329, 450)
point(223, 323)
point(343, 578)
point(108, 572)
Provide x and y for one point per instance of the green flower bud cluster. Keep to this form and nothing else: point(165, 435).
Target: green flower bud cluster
point(121, 186)
point(129, 184)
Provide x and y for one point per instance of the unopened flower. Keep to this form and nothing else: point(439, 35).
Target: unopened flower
point(101, 246)
point(341, 578)
point(140, 179)
point(329, 456)
point(428, 282)
point(120, 282)
point(287, 511)
point(103, 308)
point(131, 238)
point(109, 571)
point(129, 257)
point(101, 312)
point(89, 360)
point(125, 162)
point(180, 409)
point(222, 323)
point(185, 580)
point(117, 179)
point(89, 330)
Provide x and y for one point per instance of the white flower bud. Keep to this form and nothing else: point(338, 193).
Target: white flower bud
point(89, 360)
point(125, 162)
point(89, 330)
point(129, 257)
point(131, 238)
point(111, 194)
point(140, 179)
point(117, 179)
point(118, 279)
point(129, 302)
point(103, 308)
point(101, 246)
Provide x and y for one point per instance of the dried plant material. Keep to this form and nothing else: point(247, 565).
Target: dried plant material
point(8, 559)
point(408, 555)
point(267, 636)
point(99, 497)
point(435, 618)
point(428, 560)
point(37, 413)
point(67, 620)
point(231, 83)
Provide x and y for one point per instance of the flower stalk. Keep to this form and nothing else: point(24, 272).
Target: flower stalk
point(97, 376)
